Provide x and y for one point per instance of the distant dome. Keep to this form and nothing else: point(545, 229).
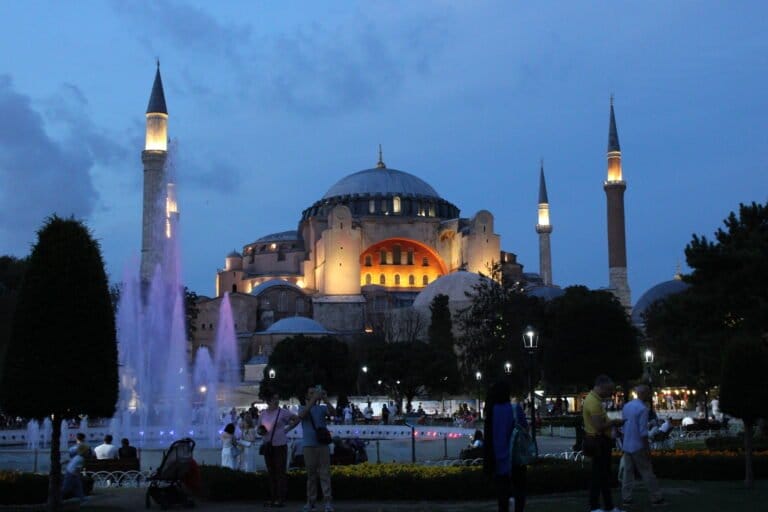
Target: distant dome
point(296, 325)
point(545, 292)
point(283, 235)
point(455, 286)
point(234, 254)
point(258, 290)
point(381, 181)
point(655, 294)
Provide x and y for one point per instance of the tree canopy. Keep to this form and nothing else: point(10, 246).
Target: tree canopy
point(588, 333)
point(300, 362)
point(443, 371)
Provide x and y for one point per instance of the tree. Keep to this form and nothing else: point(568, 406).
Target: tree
point(444, 374)
point(728, 297)
point(62, 358)
point(491, 331)
point(300, 362)
point(11, 274)
point(191, 310)
point(588, 333)
point(744, 389)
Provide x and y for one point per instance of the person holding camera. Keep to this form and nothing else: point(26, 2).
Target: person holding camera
point(273, 422)
point(316, 438)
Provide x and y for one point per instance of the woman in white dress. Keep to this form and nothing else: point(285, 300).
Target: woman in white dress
point(230, 448)
point(250, 452)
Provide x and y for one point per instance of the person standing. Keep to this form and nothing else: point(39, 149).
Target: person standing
point(106, 450)
point(637, 451)
point(73, 480)
point(501, 418)
point(317, 456)
point(272, 424)
point(231, 448)
point(598, 429)
point(384, 414)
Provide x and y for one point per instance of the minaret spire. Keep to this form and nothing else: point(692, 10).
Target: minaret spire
point(157, 97)
point(380, 164)
point(544, 229)
point(614, 187)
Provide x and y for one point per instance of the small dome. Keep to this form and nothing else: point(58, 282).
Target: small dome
point(381, 181)
point(296, 325)
point(234, 254)
point(455, 286)
point(545, 292)
point(258, 290)
point(283, 235)
point(654, 294)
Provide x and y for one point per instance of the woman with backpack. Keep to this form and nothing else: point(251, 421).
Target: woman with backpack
point(501, 418)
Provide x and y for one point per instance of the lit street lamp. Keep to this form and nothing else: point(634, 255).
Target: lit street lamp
point(531, 343)
point(648, 358)
point(508, 368)
point(478, 378)
point(272, 373)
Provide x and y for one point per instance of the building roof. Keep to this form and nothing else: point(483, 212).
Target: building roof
point(455, 285)
point(296, 325)
point(271, 283)
point(545, 292)
point(381, 180)
point(234, 254)
point(283, 235)
point(654, 294)
point(157, 98)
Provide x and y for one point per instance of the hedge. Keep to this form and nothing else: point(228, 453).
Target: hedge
point(384, 482)
point(706, 465)
point(18, 488)
point(735, 443)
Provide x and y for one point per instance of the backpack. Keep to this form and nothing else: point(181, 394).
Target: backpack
point(523, 449)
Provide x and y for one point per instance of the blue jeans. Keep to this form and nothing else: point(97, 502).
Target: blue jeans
point(73, 484)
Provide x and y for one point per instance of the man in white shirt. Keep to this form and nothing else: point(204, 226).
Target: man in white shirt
point(637, 451)
point(368, 413)
point(106, 450)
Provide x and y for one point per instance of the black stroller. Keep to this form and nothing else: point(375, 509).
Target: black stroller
point(166, 483)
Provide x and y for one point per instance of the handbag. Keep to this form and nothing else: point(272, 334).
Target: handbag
point(323, 434)
point(266, 446)
point(523, 448)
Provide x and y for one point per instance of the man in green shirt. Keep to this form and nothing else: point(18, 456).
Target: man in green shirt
point(598, 429)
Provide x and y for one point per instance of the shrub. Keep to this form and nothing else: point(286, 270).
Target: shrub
point(735, 443)
point(22, 488)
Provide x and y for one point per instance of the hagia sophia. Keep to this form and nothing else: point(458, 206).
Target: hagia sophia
point(378, 240)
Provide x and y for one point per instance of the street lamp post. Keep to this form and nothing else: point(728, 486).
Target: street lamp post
point(531, 343)
point(272, 373)
point(648, 358)
point(478, 378)
point(508, 368)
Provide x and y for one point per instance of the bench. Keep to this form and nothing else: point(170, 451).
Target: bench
point(111, 465)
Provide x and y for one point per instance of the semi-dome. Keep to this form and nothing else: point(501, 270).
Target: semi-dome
point(283, 235)
point(455, 286)
point(296, 325)
point(654, 294)
point(258, 290)
point(381, 181)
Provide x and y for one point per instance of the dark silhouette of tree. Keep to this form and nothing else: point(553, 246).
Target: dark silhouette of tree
point(744, 389)
point(11, 274)
point(300, 362)
point(588, 333)
point(491, 333)
point(62, 358)
point(443, 376)
point(191, 310)
point(728, 297)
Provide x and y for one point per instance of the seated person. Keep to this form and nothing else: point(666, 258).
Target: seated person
point(477, 440)
point(126, 451)
point(106, 450)
point(687, 421)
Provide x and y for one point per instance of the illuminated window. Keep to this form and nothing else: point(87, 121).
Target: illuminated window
point(411, 280)
point(368, 279)
point(396, 204)
point(431, 210)
point(396, 255)
point(372, 206)
point(368, 260)
point(382, 279)
point(425, 280)
point(397, 279)
point(425, 262)
point(383, 257)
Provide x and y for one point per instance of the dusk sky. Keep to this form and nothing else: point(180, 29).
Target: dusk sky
point(271, 103)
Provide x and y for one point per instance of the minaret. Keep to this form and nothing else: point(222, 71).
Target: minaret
point(614, 192)
point(155, 228)
point(544, 228)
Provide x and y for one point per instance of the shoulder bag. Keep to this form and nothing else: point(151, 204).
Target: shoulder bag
point(266, 446)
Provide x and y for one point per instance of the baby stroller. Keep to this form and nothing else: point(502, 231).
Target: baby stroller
point(166, 483)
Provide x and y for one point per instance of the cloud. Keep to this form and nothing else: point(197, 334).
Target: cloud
point(312, 70)
point(42, 173)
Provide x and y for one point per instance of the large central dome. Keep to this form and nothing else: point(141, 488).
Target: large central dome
point(382, 181)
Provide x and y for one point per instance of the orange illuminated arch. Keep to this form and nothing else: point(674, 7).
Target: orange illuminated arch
point(398, 257)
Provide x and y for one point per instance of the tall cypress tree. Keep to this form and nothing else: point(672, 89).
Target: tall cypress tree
point(62, 356)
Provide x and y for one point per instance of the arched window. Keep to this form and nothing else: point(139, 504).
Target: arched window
point(234, 288)
point(397, 279)
point(411, 280)
point(299, 305)
point(368, 279)
point(396, 252)
point(396, 204)
point(383, 257)
point(425, 280)
point(281, 302)
point(368, 260)
point(372, 206)
point(382, 279)
point(425, 262)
